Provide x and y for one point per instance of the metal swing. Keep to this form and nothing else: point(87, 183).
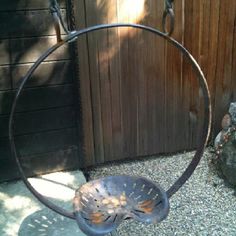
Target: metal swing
point(101, 205)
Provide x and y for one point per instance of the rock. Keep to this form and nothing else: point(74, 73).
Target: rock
point(232, 112)
point(227, 154)
point(227, 160)
point(226, 122)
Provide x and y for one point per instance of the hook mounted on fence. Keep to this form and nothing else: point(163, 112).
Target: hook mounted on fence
point(58, 21)
point(57, 18)
point(168, 12)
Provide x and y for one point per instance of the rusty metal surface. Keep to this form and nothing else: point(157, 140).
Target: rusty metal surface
point(101, 205)
point(168, 12)
point(204, 134)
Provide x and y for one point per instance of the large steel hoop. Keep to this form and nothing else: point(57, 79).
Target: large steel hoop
point(205, 130)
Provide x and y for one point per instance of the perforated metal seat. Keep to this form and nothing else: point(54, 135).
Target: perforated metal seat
point(102, 204)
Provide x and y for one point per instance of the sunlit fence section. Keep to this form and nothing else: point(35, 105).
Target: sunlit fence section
point(139, 95)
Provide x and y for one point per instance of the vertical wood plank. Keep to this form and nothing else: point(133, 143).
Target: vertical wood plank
point(104, 78)
point(139, 103)
point(175, 113)
point(92, 18)
point(142, 77)
point(5, 78)
point(153, 95)
point(188, 11)
point(213, 48)
point(160, 125)
point(132, 96)
point(85, 85)
point(115, 77)
point(194, 108)
point(126, 100)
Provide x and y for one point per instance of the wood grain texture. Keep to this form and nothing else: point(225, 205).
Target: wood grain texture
point(147, 99)
point(174, 96)
point(85, 86)
point(28, 50)
point(114, 65)
point(5, 78)
point(14, 5)
point(48, 73)
point(32, 23)
point(126, 92)
point(191, 33)
point(139, 96)
point(93, 53)
point(46, 130)
point(155, 73)
point(38, 99)
point(38, 121)
point(104, 78)
point(4, 51)
point(39, 143)
point(59, 160)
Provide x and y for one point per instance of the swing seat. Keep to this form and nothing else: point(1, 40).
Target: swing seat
point(101, 205)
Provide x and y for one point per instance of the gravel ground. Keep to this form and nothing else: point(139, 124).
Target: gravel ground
point(205, 205)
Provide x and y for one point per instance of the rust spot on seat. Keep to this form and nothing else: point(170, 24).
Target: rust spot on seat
point(96, 218)
point(76, 203)
point(146, 206)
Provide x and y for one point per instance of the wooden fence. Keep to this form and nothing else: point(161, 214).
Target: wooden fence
point(46, 130)
point(139, 95)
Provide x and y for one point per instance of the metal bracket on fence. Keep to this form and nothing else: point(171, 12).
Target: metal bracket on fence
point(71, 34)
point(168, 12)
point(57, 18)
point(58, 21)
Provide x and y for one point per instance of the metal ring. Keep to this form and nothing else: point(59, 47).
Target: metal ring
point(168, 12)
point(206, 114)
